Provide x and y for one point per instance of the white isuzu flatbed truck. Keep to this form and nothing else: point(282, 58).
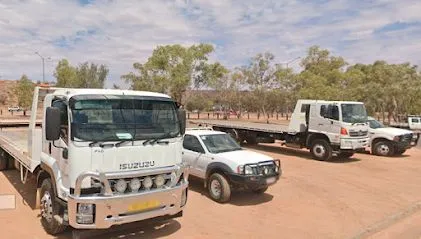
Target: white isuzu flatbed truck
point(324, 127)
point(101, 157)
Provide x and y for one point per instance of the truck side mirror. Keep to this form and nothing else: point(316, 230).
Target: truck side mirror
point(182, 120)
point(52, 123)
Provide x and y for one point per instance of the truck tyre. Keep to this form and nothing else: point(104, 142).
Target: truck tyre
point(219, 188)
point(3, 160)
point(251, 139)
point(345, 155)
point(260, 190)
point(383, 148)
point(49, 208)
point(235, 135)
point(321, 150)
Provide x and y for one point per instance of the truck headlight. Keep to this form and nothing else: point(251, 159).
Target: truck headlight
point(159, 181)
point(147, 182)
point(134, 185)
point(85, 213)
point(120, 186)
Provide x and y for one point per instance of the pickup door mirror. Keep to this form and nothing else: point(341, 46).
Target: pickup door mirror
point(182, 120)
point(52, 123)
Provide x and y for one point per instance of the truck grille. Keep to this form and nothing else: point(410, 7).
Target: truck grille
point(147, 183)
point(359, 133)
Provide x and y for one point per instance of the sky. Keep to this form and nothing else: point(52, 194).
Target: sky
point(120, 32)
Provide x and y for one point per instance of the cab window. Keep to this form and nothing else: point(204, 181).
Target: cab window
point(191, 142)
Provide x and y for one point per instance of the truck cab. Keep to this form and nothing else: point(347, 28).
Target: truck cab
point(105, 157)
point(328, 127)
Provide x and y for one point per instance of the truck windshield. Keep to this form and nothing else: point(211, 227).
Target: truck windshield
point(354, 113)
point(121, 118)
point(219, 143)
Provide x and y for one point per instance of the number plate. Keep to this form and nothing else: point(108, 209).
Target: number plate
point(141, 206)
point(270, 180)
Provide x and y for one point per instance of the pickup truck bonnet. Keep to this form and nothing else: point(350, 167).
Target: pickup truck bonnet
point(243, 157)
point(391, 131)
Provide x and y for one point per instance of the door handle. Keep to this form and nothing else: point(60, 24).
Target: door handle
point(320, 124)
point(331, 122)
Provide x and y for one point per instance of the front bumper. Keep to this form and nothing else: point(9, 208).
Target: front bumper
point(253, 181)
point(354, 143)
point(114, 209)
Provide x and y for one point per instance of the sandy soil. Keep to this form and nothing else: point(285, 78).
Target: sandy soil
point(366, 196)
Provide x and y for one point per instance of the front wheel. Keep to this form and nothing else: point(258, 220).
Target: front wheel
point(383, 148)
point(49, 209)
point(321, 150)
point(345, 155)
point(219, 188)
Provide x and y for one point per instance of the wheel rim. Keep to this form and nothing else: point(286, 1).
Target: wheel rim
point(47, 207)
point(319, 150)
point(383, 149)
point(215, 188)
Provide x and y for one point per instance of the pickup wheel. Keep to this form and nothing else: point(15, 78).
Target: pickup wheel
point(383, 148)
point(321, 150)
point(260, 190)
point(219, 188)
point(50, 208)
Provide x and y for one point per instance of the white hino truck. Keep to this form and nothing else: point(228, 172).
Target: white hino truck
point(324, 127)
point(101, 157)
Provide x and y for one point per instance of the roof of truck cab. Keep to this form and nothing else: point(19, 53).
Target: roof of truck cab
point(305, 101)
point(70, 92)
point(198, 132)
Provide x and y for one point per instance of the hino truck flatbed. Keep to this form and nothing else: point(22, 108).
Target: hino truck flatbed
point(324, 127)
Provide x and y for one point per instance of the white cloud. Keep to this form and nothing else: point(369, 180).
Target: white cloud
point(118, 33)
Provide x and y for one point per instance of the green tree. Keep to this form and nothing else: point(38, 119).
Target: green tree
point(86, 75)
point(198, 102)
point(172, 69)
point(24, 91)
point(261, 77)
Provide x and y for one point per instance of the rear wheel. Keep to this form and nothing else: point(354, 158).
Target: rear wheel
point(383, 148)
point(49, 209)
point(321, 150)
point(219, 188)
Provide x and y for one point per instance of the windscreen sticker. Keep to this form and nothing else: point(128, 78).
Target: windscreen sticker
point(124, 135)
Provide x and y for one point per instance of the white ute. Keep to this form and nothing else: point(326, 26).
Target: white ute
point(219, 160)
point(389, 141)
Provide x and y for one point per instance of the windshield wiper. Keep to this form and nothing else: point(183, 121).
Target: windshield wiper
point(118, 144)
point(100, 144)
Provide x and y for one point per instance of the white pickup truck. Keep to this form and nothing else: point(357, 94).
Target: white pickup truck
point(224, 166)
point(389, 141)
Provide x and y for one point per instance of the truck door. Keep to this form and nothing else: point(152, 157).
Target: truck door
point(62, 142)
point(192, 152)
point(328, 123)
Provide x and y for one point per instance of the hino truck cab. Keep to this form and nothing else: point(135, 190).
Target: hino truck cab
point(329, 127)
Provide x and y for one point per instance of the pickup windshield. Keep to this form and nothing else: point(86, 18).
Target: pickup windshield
point(374, 124)
point(354, 113)
point(107, 118)
point(219, 143)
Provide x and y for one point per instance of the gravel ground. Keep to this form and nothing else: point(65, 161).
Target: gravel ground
point(364, 197)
